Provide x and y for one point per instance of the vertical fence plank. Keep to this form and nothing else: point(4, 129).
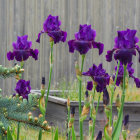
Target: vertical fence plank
point(27, 17)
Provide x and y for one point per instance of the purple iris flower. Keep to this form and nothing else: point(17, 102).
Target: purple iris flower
point(125, 47)
point(22, 50)
point(23, 88)
point(126, 121)
point(130, 71)
point(73, 110)
point(105, 96)
point(84, 40)
point(99, 137)
point(89, 85)
point(51, 26)
point(99, 76)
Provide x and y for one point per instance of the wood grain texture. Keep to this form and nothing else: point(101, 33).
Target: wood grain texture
point(57, 114)
point(20, 17)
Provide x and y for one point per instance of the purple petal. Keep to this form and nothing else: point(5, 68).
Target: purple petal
point(136, 39)
point(137, 82)
point(52, 23)
point(126, 120)
point(25, 55)
point(105, 97)
point(89, 85)
point(124, 55)
point(85, 33)
point(99, 137)
point(82, 46)
point(28, 86)
point(138, 49)
point(99, 75)
point(10, 55)
point(130, 69)
point(51, 26)
point(23, 88)
point(119, 79)
point(57, 36)
point(86, 73)
point(71, 46)
point(99, 46)
point(21, 55)
point(39, 35)
point(64, 36)
point(14, 45)
point(109, 55)
point(34, 53)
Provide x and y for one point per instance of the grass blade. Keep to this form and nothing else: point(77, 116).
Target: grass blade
point(56, 134)
point(9, 135)
point(40, 134)
point(18, 130)
point(73, 134)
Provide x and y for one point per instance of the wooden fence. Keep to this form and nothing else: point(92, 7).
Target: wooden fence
point(20, 17)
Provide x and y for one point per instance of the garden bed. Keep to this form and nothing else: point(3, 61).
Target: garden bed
point(57, 113)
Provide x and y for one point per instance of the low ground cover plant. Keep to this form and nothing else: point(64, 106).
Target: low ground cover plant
point(70, 90)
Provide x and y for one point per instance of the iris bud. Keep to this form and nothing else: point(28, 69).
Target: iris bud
point(30, 118)
point(29, 114)
point(36, 119)
point(40, 115)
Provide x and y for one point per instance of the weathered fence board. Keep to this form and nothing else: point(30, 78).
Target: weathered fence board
point(57, 114)
point(20, 17)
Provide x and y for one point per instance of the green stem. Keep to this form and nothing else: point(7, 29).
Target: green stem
point(18, 130)
point(68, 123)
point(94, 120)
point(40, 135)
point(91, 109)
point(112, 94)
point(3, 137)
point(21, 66)
point(122, 103)
point(93, 95)
point(80, 91)
point(52, 133)
point(50, 74)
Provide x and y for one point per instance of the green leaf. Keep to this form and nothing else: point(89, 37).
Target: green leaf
point(106, 135)
point(18, 130)
point(42, 105)
point(14, 132)
point(40, 134)
point(118, 130)
point(9, 136)
point(42, 92)
point(56, 134)
point(82, 118)
point(79, 78)
point(73, 134)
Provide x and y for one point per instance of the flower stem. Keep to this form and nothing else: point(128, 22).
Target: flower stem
point(122, 104)
point(112, 94)
point(68, 122)
point(21, 66)
point(50, 74)
point(91, 108)
point(93, 95)
point(80, 91)
point(18, 130)
point(94, 120)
